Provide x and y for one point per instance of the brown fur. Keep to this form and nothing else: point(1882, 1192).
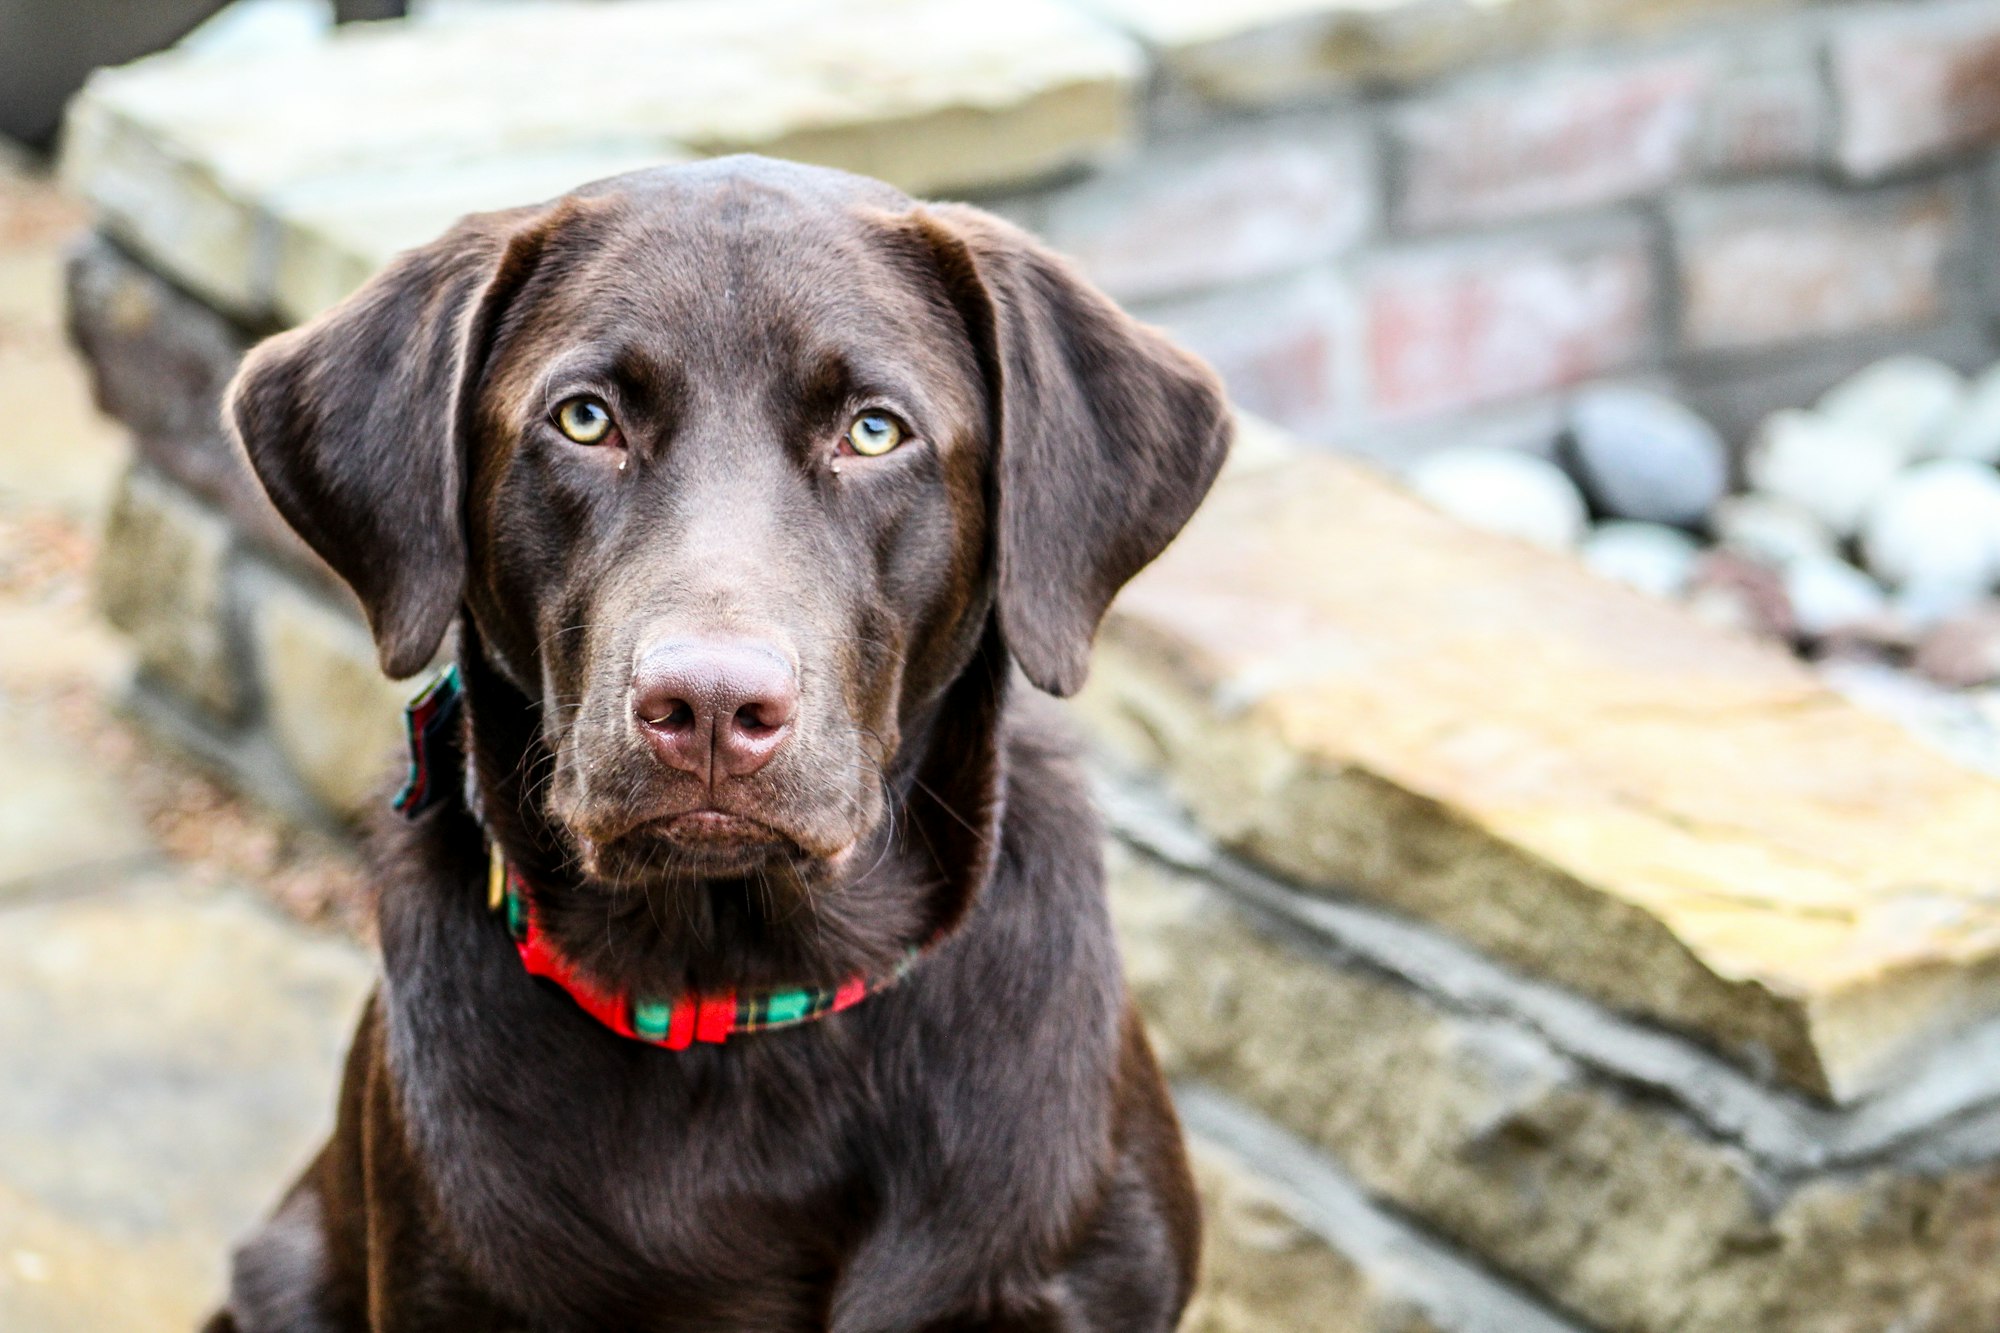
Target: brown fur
point(986, 1147)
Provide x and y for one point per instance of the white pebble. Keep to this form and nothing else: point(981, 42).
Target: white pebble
point(1833, 471)
point(1829, 595)
point(1503, 491)
point(1975, 433)
point(1937, 524)
point(1642, 455)
point(1908, 401)
point(1925, 606)
point(1651, 557)
point(1763, 527)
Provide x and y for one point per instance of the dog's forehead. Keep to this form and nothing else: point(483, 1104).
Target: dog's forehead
point(742, 218)
point(745, 184)
point(740, 241)
point(738, 265)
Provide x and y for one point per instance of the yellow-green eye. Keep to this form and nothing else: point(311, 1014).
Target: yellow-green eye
point(585, 420)
point(874, 434)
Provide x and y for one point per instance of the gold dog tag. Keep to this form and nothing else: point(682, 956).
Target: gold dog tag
point(496, 879)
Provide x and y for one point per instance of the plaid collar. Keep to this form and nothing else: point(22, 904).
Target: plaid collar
point(675, 1022)
point(678, 1021)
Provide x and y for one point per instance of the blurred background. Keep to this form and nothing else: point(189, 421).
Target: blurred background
point(1552, 784)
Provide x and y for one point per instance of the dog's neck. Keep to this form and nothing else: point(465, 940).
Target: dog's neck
point(919, 874)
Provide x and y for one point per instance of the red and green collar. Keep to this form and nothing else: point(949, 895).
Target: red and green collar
point(675, 1022)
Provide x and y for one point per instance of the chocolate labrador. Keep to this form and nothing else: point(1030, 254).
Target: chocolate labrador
point(757, 975)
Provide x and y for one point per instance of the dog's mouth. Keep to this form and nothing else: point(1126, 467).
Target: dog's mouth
point(698, 844)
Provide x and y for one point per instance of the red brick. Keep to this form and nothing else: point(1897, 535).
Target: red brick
point(1763, 265)
point(1285, 351)
point(1768, 114)
point(1553, 142)
point(1227, 209)
point(1916, 84)
point(1453, 327)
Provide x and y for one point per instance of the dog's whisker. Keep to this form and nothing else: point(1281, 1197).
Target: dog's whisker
point(946, 806)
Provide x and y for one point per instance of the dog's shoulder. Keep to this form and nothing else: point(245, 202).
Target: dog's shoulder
point(1050, 813)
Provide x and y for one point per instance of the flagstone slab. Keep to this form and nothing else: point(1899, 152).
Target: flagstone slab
point(60, 815)
point(336, 721)
point(55, 451)
point(1371, 699)
point(48, 644)
point(1262, 1270)
point(59, 1277)
point(171, 1056)
point(1255, 52)
point(328, 236)
point(1608, 1198)
point(270, 186)
point(162, 578)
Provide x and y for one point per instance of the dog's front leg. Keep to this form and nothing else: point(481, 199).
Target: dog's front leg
point(350, 1249)
point(283, 1279)
point(302, 1271)
point(1037, 1317)
point(901, 1288)
point(1042, 1313)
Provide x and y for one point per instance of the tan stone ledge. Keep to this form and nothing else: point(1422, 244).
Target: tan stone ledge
point(337, 722)
point(1253, 52)
point(1596, 1192)
point(1352, 690)
point(1394, 1277)
point(1945, 1115)
point(269, 185)
point(328, 235)
point(1263, 1271)
point(162, 579)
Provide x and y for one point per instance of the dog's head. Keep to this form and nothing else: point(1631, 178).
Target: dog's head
point(733, 468)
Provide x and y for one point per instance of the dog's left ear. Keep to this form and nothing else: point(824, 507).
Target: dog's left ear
point(356, 423)
point(1107, 436)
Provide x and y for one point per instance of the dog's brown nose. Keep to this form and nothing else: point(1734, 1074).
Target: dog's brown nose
point(716, 710)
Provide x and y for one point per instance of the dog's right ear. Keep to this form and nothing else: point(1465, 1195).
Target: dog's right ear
point(357, 423)
point(1108, 435)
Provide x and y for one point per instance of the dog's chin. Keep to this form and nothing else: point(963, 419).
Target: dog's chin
point(700, 844)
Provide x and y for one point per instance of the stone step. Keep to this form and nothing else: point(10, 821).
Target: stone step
point(1253, 53)
point(61, 818)
point(1785, 1133)
point(1293, 1244)
point(1630, 1175)
point(1593, 786)
point(170, 1055)
point(380, 136)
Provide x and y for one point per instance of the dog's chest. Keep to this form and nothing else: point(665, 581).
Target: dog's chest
point(602, 1171)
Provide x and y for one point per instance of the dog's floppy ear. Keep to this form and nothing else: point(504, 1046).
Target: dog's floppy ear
point(1107, 435)
point(355, 424)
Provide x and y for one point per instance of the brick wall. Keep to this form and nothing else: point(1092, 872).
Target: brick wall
point(1767, 194)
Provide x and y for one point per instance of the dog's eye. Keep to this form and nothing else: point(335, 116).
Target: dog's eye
point(873, 434)
point(584, 419)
